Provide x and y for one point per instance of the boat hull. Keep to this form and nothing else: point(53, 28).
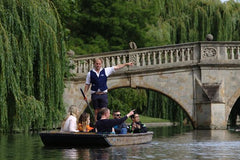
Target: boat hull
point(129, 139)
point(59, 139)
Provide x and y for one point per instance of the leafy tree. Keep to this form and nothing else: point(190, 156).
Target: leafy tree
point(32, 65)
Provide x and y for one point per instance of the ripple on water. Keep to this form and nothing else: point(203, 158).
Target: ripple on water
point(193, 145)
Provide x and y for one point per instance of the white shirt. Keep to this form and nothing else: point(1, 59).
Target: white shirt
point(70, 125)
point(108, 72)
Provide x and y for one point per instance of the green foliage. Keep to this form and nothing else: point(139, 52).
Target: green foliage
point(126, 99)
point(146, 102)
point(161, 106)
point(32, 65)
point(98, 26)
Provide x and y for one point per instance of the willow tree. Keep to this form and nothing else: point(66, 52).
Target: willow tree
point(32, 64)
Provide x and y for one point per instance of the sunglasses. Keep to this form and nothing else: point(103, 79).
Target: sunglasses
point(117, 115)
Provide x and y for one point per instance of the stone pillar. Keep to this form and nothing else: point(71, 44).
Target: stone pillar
point(203, 113)
point(218, 120)
point(211, 116)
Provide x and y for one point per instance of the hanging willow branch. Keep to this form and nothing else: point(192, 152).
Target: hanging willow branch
point(31, 65)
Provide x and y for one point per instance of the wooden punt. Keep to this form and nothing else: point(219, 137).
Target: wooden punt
point(80, 139)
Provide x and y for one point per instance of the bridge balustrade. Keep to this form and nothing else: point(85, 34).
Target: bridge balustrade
point(233, 52)
point(180, 54)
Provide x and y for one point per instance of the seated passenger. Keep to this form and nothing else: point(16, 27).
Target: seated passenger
point(84, 122)
point(121, 128)
point(136, 125)
point(105, 125)
point(70, 122)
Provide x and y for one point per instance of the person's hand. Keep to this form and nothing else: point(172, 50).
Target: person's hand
point(85, 98)
point(130, 64)
point(130, 113)
point(134, 125)
point(138, 126)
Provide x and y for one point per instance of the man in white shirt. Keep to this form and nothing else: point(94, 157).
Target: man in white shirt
point(97, 77)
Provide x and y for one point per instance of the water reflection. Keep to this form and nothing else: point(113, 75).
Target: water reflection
point(168, 143)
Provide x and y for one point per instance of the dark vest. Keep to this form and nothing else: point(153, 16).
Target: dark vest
point(98, 82)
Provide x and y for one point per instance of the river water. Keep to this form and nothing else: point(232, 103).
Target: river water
point(169, 143)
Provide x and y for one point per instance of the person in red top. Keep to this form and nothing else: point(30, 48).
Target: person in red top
point(84, 123)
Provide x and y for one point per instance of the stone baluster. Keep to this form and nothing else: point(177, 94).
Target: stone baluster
point(171, 56)
point(188, 54)
point(233, 48)
point(148, 58)
point(124, 59)
point(238, 52)
point(107, 62)
point(137, 60)
point(232, 53)
point(80, 66)
point(177, 56)
point(160, 57)
point(235, 53)
point(85, 66)
point(165, 56)
point(182, 53)
point(83, 63)
point(118, 60)
point(154, 58)
point(77, 67)
point(113, 61)
point(143, 59)
point(228, 52)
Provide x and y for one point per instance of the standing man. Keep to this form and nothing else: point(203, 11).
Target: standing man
point(98, 78)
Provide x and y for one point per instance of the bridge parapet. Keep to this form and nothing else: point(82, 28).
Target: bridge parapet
point(165, 56)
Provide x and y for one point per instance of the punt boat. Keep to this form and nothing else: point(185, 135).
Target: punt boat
point(81, 139)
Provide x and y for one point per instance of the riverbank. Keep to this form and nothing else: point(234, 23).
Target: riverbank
point(158, 124)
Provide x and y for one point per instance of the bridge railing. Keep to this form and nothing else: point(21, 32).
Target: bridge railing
point(233, 52)
point(180, 54)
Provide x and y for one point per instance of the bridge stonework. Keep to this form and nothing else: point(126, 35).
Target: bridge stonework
point(202, 77)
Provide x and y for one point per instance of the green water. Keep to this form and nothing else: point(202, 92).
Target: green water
point(168, 143)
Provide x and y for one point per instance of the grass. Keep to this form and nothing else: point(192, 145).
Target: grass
point(145, 119)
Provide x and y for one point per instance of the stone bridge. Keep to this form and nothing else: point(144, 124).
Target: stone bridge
point(202, 77)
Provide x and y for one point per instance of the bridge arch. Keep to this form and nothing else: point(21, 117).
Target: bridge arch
point(233, 110)
point(232, 100)
point(159, 90)
point(201, 77)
